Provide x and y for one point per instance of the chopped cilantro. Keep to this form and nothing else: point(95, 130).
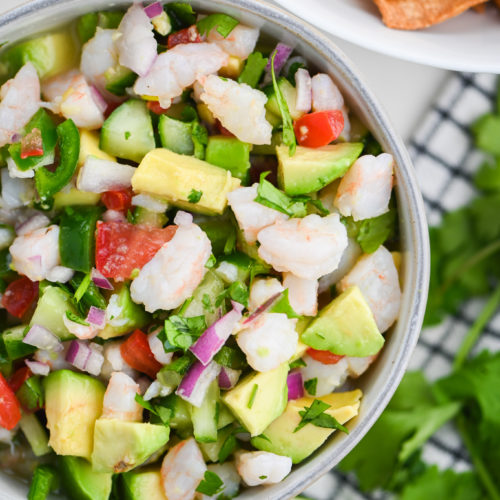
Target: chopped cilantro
point(315, 415)
point(236, 291)
point(262, 477)
point(253, 70)
point(127, 135)
point(182, 332)
point(282, 305)
point(195, 196)
point(211, 484)
point(82, 287)
point(164, 414)
point(76, 319)
point(310, 386)
point(297, 363)
point(222, 22)
point(251, 399)
point(211, 262)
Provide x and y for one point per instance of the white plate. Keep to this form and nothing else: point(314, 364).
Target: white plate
point(468, 42)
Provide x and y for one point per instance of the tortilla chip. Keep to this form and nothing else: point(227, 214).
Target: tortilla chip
point(417, 14)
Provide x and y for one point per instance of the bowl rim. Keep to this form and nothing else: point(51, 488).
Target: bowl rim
point(419, 269)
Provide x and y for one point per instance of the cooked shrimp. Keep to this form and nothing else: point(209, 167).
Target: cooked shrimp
point(240, 42)
point(302, 294)
point(377, 277)
point(262, 467)
point(365, 190)
point(172, 275)
point(156, 346)
point(55, 87)
point(325, 94)
point(182, 470)
point(98, 55)
point(178, 68)
point(20, 101)
point(251, 216)
point(329, 377)
point(239, 108)
point(261, 290)
point(230, 477)
point(136, 43)
point(268, 341)
point(113, 361)
point(358, 366)
point(35, 254)
point(309, 248)
point(119, 399)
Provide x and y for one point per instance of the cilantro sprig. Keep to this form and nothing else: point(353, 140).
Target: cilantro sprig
point(223, 24)
point(211, 484)
point(181, 333)
point(315, 415)
point(164, 414)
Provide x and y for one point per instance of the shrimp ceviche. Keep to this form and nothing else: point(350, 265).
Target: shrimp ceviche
point(198, 256)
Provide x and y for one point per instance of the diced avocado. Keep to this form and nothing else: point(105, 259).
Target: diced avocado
point(128, 131)
point(50, 310)
point(80, 482)
point(233, 68)
point(345, 326)
point(148, 218)
point(204, 418)
point(118, 78)
point(311, 169)
point(204, 297)
point(120, 446)
point(230, 154)
point(281, 439)
point(15, 348)
point(211, 450)
point(143, 484)
point(50, 54)
point(89, 146)
point(75, 197)
point(259, 398)
point(289, 93)
point(73, 402)
point(205, 114)
point(175, 135)
point(125, 314)
point(35, 433)
point(176, 177)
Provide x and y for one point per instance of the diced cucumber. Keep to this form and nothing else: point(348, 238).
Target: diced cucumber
point(231, 154)
point(49, 312)
point(88, 23)
point(274, 120)
point(219, 230)
point(269, 149)
point(147, 217)
point(290, 95)
point(180, 419)
point(243, 265)
point(35, 434)
point(75, 197)
point(211, 450)
point(118, 79)
point(14, 345)
point(128, 131)
point(204, 418)
point(175, 135)
point(225, 416)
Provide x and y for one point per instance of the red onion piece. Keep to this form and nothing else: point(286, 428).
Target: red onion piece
point(263, 308)
point(295, 385)
point(98, 99)
point(96, 317)
point(37, 368)
point(35, 222)
point(228, 377)
point(85, 357)
point(304, 90)
point(42, 338)
point(194, 385)
point(99, 280)
point(153, 10)
point(282, 52)
point(215, 336)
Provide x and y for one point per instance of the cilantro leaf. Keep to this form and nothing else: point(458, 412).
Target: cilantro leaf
point(282, 305)
point(232, 357)
point(76, 319)
point(310, 386)
point(486, 131)
point(236, 291)
point(182, 332)
point(194, 196)
point(254, 68)
point(288, 132)
point(82, 287)
point(164, 414)
point(211, 484)
point(224, 24)
point(297, 364)
point(375, 231)
point(181, 15)
point(315, 414)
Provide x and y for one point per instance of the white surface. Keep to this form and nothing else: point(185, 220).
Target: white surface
point(404, 88)
point(468, 42)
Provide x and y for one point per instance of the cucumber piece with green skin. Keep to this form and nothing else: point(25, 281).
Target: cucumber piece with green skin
point(204, 418)
point(49, 312)
point(231, 154)
point(211, 450)
point(143, 484)
point(290, 95)
point(118, 79)
point(13, 341)
point(180, 419)
point(175, 135)
point(218, 230)
point(128, 131)
point(147, 217)
point(225, 416)
point(35, 433)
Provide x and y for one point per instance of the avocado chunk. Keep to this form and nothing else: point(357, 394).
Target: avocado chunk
point(50, 54)
point(289, 92)
point(50, 310)
point(12, 340)
point(281, 439)
point(73, 402)
point(144, 484)
point(124, 315)
point(120, 446)
point(345, 326)
point(80, 482)
point(311, 169)
point(230, 154)
point(259, 398)
point(176, 178)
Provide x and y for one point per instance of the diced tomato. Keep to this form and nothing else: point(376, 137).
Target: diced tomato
point(117, 200)
point(325, 357)
point(319, 129)
point(122, 247)
point(32, 144)
point(10, 409)
point(187, 35)
point(156, 108)
point(112, 105)
point(19, 377)
point(222, 130)
point(19, 296)
point(137, 353)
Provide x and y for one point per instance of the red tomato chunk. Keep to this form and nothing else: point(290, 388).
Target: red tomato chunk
point(117, 200)
point(187, 35)
point(137, 354)
point(19, 296)
point(325, 357)
point(10, 409)
point(319, 129)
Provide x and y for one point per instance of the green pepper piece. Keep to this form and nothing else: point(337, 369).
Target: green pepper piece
point(86, 25)
point(92, 295)
point(77, 236)
point(43, 479)
point(42, 121)
point(30, 394)
point(49, 183)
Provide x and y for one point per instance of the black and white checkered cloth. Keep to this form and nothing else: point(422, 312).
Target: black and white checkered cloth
point(445, 161)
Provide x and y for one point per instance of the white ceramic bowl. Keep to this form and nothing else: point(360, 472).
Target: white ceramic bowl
point(382, 379)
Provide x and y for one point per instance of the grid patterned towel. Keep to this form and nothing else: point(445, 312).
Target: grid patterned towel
point(445, 161)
